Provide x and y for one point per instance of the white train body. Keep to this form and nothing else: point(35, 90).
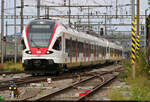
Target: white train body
point(49, 45)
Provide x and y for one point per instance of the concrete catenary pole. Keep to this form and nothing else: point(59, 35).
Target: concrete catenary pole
point(21, 14)
point(6, 38)
point(138, 27)
point(133, 33)
point(69, 14)
point(15, 59)
point(88, 19)
point(105, 24)
point(2, 30)
point(38, 8)
point(116, 8)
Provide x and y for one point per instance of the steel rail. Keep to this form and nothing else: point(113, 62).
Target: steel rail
point(97, 88)
point(11, 72)
point(48, 97)
point(64, 89)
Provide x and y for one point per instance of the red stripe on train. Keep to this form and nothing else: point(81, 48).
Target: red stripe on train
point(26, 30)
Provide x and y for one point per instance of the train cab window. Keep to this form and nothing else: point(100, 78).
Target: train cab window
point(57, 45)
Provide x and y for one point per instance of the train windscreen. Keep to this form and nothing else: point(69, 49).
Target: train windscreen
point(39, 33)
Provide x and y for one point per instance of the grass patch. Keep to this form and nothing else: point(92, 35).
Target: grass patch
point(115, 94)
point(140, 86)
point(10, 66)
point(1, 98)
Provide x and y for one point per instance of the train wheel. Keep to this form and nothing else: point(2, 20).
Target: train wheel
point(57, 72)
point(33, 74)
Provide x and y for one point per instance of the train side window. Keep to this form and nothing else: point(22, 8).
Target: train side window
point(57, 45)
point(73, 47)
point(102, 50)
point(97, 50)
point(23, 44)
point(84, 49)
point(80, 47)
point(107, 49)
point(90, 48)
point(67, 45)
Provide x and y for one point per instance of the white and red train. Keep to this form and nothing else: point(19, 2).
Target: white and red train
point(52, 46)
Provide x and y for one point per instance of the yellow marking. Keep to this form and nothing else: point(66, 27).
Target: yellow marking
point(137, 44)
point(133, 39)
point(137, 48)
point(133, 61)
point(133, 22)
point(133, 56)
point(133, 44)
point(133, 28)
point(133, 50)
point(138, 40)
point(133, 33)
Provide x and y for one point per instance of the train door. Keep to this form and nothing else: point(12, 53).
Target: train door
point(84, 52)
point(63, 47)
point(107, 51)
point(88, 49)
point(94, 53)
point(77, 53)
point(70, 52)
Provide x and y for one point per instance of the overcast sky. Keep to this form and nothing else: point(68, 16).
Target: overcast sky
point(122, 10)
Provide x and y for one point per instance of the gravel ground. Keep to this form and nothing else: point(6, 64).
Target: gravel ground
point(41, 89)
point(102, 94)
point(13, 76)
point(57, 85)
point(33, 92)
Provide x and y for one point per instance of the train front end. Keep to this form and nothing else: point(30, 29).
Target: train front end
point(37, 40)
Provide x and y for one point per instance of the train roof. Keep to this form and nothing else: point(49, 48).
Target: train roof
point(101, 41)
point(76, 33)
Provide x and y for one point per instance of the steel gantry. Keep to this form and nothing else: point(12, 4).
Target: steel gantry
point(74, 16)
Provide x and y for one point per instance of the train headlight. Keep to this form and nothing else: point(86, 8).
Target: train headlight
point(49, 52)
point(29, 52)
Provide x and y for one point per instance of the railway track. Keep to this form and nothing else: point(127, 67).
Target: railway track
point(77, 92)
point(26, 80)
point(11, 72)
point(4, 85)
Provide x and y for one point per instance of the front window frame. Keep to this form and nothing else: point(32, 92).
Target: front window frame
point(35, 44)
